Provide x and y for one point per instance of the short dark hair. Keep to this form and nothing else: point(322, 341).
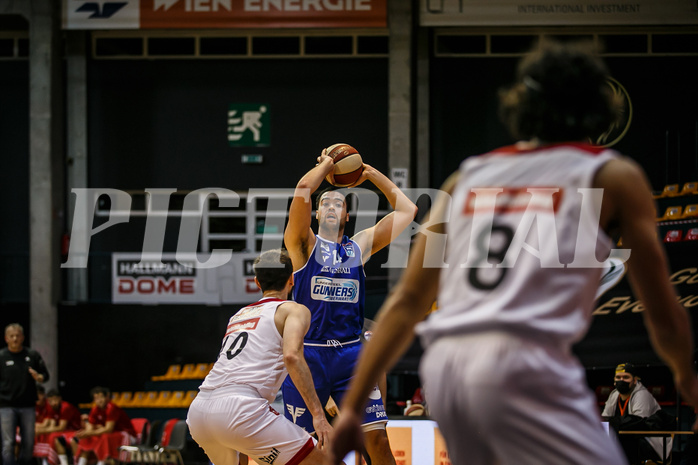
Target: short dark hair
point(329, 189)
point(272, 269)
point(99, 390)
point(53, 393)
point(561, 94)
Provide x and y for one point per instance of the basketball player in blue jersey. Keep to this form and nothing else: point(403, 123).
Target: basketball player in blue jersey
point(329, 280)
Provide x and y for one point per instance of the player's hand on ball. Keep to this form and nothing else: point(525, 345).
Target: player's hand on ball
point(365, 173)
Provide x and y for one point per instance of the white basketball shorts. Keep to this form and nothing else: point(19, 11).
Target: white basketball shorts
point(499, 398)
point(225, 425)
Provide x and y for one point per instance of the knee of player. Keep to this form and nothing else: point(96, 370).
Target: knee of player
point(378, 438)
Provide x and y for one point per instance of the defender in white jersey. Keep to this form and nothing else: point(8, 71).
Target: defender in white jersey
point(262, 344)
point(526, 231)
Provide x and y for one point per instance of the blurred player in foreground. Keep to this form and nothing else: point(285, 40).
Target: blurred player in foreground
point(263, 342)
point(523, 233)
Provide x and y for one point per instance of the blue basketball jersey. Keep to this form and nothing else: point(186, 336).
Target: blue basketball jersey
point(331, 285)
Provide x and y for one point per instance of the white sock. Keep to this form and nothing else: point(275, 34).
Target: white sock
point(82, 461)
point(44, 461)
point(100, 462)
point(63, 459)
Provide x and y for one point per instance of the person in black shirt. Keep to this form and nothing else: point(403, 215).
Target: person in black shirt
point(20, 369)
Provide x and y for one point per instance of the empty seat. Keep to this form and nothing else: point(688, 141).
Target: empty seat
point(691, 235)
point(162, 400)
point(171, 451)
point(122, 398)
point(137, 400)
point(141, 427)
point(673, 235)
point(690, 188)
point(670, 190)
point(177, 400)
point(188, 371)
point(202, 370)
point(150, 399)
point(189, 398)
point(172, 373)
point(690, 211)
point(672, 213)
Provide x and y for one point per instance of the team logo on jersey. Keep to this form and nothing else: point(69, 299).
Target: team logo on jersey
point(295, 412)
point(349, 247)
point(334, 289)
point(271, 458)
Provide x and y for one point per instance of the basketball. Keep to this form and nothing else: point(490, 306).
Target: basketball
point(348, 164)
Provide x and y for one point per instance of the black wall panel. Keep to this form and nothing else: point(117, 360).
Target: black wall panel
point(662, 137)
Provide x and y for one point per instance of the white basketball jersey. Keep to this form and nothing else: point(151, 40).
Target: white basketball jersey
point(252, 351)
point(522, 252)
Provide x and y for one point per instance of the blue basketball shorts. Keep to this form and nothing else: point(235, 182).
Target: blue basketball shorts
point(332, 368)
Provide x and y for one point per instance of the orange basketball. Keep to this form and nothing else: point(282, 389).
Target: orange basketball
point(348, 164)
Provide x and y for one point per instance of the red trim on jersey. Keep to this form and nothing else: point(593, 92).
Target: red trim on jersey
point(265, 300)
point(303, 453)
point(515, 149)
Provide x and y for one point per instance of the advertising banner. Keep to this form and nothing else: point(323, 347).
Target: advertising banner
point(557, 12)
point(173, 280)
point(617, 330)
point(223, 14)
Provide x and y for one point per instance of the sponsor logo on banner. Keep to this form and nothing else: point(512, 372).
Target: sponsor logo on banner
point(555, 12)
point(335, 289)
point(86, 14)
point(177, 280)
point(146, 278)
point(207, 14)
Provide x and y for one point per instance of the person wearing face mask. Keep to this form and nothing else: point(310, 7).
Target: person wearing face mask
point(631, 407)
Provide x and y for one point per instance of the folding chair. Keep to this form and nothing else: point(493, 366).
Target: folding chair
point(172, 451)
point(146, 450)
point(141, 426)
